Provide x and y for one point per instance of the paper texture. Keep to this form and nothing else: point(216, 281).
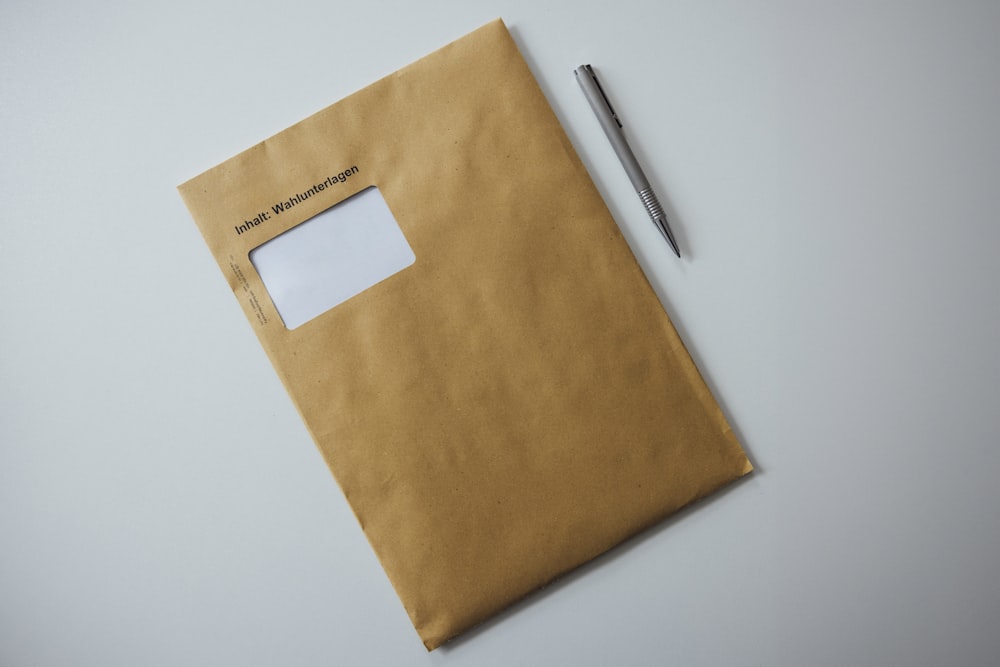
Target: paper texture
point(516, 401)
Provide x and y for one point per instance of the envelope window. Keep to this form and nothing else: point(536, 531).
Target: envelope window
point(332, 257)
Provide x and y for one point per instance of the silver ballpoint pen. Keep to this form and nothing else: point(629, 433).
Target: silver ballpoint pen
point(613, 128)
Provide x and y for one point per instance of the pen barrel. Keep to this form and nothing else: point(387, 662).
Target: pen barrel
point(613, 129)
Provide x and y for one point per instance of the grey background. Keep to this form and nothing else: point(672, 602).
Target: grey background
point(832, 173)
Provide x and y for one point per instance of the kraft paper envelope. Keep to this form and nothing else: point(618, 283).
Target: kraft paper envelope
point(508, 400)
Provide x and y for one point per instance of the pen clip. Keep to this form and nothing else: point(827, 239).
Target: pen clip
point(590, 71)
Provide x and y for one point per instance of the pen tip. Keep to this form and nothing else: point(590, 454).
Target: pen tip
point(670, 239)
point(661, 223)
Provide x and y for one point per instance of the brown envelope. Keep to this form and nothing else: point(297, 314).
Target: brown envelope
point(516, 401)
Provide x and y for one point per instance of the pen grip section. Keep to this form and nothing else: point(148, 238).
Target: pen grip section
point(657, 215)
point(652, 204)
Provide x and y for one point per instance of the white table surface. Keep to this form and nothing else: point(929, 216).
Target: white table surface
point(832, 171)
